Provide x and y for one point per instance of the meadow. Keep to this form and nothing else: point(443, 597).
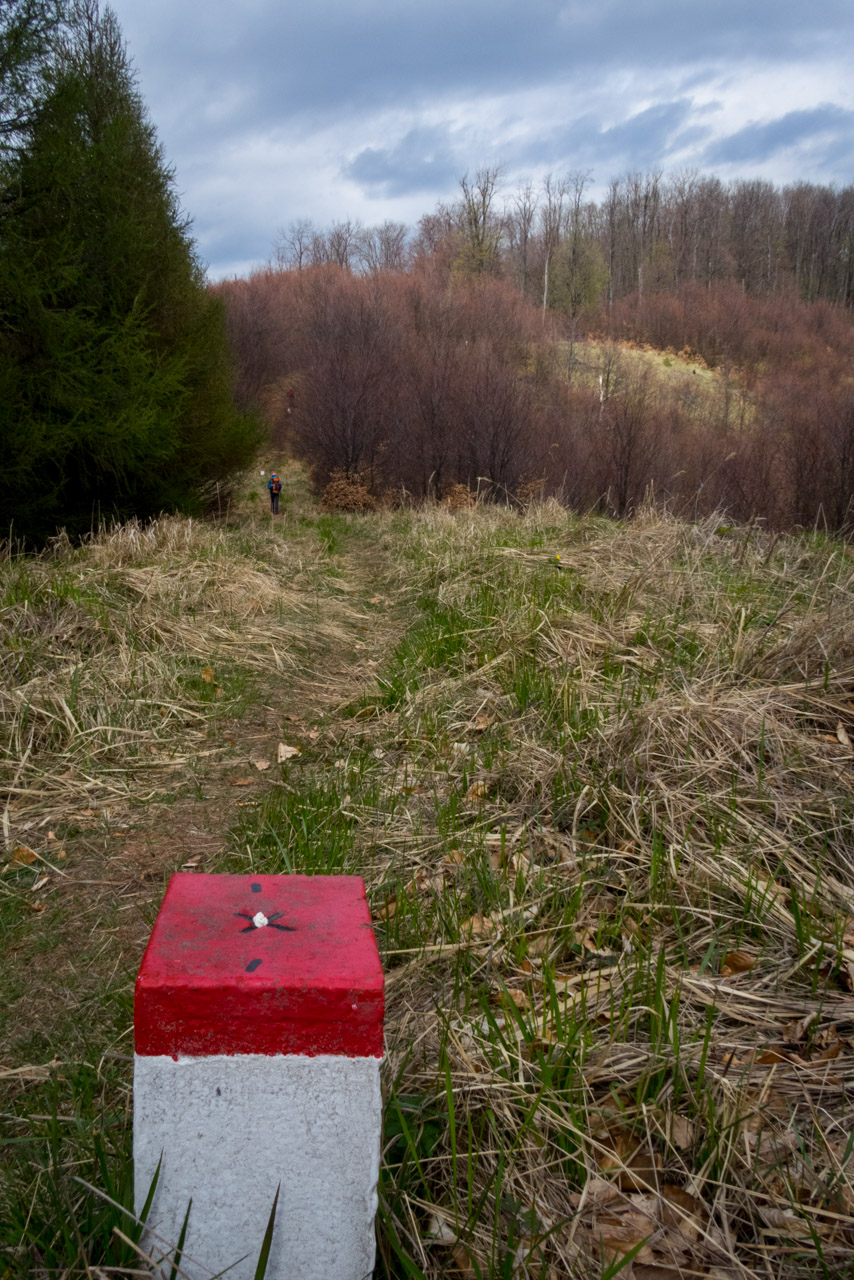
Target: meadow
point(597, 777)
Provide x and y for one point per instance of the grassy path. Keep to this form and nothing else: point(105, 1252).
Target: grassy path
point(150, 678)
point(598, 780)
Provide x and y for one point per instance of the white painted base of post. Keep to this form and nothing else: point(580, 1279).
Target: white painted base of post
point(229, 1129)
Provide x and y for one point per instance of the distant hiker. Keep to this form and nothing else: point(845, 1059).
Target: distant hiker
point(275, 487)
point(290, 398)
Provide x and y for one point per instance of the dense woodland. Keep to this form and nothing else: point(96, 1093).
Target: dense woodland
point(649, 233)
point(115, 375)
point(498, 347)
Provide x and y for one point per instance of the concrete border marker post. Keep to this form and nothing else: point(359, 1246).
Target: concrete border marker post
point(258, 1023)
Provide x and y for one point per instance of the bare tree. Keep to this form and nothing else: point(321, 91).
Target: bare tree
point(519, 220)
point(342, 240)
point(552, 213)
point(384, 248)
point(292, 244)
point(756, 233)
point(482, 230)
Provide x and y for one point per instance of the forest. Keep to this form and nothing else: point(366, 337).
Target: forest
point(506, 346)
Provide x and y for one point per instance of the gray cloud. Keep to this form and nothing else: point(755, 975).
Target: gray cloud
point(332, 55)
point(423, 160)
point(825, 127)
point(373, 108)
point(637, 142)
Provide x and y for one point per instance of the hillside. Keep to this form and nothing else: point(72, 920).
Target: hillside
point(597, 777)
point(414, 382)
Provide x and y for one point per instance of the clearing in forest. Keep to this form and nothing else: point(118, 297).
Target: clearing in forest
point(598, 778)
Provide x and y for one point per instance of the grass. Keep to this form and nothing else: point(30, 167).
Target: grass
point(700, 394)
point(598, 780)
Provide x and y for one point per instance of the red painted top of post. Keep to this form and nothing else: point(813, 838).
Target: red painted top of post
point(215, 978)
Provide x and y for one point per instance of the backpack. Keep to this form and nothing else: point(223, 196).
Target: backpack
point(276, 486)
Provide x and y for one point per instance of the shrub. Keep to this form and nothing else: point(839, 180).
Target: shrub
point(347, 493)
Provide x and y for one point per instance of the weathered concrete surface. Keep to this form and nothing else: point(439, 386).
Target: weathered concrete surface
point(230, 1129)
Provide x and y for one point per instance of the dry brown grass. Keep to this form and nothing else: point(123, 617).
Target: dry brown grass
point(114, 655)
point(619, 900)
point(601, 793)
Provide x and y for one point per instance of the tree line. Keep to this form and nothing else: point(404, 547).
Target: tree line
point(115, 374)
point(444, 366)
point(648, 233)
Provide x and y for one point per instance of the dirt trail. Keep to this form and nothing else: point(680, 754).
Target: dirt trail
point(81, 953)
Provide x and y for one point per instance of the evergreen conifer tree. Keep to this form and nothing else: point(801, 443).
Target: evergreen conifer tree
point(114, 371)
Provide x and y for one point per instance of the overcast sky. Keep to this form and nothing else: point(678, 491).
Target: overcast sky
point(372, 109)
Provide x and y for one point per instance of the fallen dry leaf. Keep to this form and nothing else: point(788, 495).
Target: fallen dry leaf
point(39, 884)
point(261, 763)
point(842, 735)
point(242, 782)
point(786, 1221)
point(463, 1262)
point(23, 856)
point(438, 1232)
point(478, 791)
point(285, 752)
point(512, 995)
point(386, 911)
point(207, 675)
point(737, 962)
point(683, 1211)
point(596, 1191)
point(770, 1056)
point(619, 1151)
point(477, 926)
point(795, 1032)
point(424, 882)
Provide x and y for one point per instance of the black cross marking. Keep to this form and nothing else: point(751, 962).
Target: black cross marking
point(271, 921)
